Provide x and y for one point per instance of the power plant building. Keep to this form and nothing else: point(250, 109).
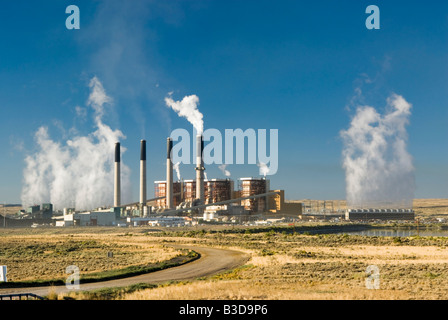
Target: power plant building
point(90, 218)
point(160, 190)
point(217, 190)
point(253, 186)
point(379, 214)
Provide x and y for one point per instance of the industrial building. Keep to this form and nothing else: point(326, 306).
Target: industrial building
point(278, 205)
point(379, 214)
point(253, 186)
point(219, 212)
point(217, 190)
point(160, 190)
point(45, 211)
point(190, 190)
point(89, 218)
point(158, 221)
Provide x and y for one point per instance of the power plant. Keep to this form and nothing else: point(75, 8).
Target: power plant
point(184, 201)
point(212, 198)
point(198, 197)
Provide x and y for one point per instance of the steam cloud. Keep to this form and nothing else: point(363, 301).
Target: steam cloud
point(80, 172)
point(188, 108)
point(176, 167)
point(264, 169)
point(379, 170)
point(224, 171)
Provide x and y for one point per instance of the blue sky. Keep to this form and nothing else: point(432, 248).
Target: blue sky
point(287, 65)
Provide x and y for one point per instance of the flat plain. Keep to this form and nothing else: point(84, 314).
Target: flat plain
point(286, 262)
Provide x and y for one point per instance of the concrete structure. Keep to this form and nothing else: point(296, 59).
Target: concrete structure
point(117, 177)
point(217, 212)
point(167, 221)
point(90, 218)
point(189, 190)
point(217, 190)
point(68, 210)
point(278, 205)
point(142, 174)
point(169, 176)
point(47, 210)
point(32, 209)
point(379, 214)
point(253, 186)
point(200, 170)
point(160, 190)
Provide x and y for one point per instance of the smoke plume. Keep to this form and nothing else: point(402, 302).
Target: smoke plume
point(224, 171)
point(188, 108)
point(80, 171)
point(176, 167)
point(379, 170)
point(264, 169)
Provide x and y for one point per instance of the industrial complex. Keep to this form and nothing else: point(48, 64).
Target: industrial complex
point(188, 202)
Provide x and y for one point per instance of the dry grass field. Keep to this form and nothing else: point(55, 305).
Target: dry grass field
point(283, 264)
point(299, 267)
point(42, 256)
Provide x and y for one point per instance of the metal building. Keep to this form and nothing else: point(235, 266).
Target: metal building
point(380, 214)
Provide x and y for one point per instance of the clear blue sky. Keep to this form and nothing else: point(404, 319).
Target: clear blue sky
point(287, 65)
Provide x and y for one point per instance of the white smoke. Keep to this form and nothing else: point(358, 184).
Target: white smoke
point(264, 169)
point(224, 170)
point(379, 170)
point(78, 173)
point(176, 167)
point(188, 108)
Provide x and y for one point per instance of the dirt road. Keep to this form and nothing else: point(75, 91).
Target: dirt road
point(212, 261)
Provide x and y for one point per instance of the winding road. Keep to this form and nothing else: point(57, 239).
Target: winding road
point(212, 261)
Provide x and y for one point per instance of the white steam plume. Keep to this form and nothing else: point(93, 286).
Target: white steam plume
point(176, 167)
point(379, 170)
point(188, 108)
point(264, 169)
point(79, 172)
point(224, 171)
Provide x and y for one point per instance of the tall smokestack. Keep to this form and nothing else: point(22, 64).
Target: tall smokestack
point(199, 169)
point(117, 184)
point(169, 175)
point(142, 174)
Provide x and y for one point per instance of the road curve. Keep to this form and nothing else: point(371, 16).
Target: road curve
point(212, 261)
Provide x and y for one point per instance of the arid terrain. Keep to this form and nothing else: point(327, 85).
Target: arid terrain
point(40, 255)
point(285, 262)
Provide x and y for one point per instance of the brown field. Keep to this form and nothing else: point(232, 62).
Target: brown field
point(38, 255)
point(283, 265)
point(318, 267)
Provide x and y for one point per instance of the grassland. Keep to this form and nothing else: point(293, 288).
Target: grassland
point(38, 256)
point(298, 266)
point(287, 262)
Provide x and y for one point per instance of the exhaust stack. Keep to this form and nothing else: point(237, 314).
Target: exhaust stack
point(169, 175)
point(199, 169)
point(117, 180)
point(142, 175)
